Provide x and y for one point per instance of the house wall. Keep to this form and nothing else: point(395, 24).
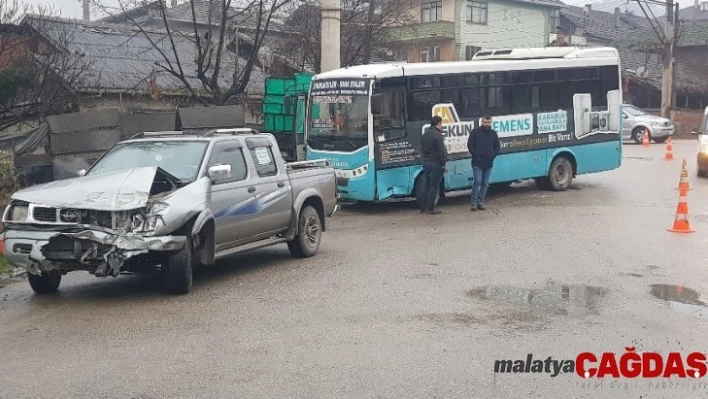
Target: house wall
point(447, 50)
point(12, 48)
point(509, 24)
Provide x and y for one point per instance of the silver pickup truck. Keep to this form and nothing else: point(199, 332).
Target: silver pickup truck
point(164, 202)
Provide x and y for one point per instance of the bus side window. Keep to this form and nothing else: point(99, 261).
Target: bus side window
point(421, 104)
point(392, 107)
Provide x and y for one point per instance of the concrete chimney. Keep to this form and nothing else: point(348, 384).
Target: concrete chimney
point(617, 17)
point(87, 10)
point(331, 35)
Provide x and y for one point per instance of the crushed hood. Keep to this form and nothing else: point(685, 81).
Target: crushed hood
point(118, 191)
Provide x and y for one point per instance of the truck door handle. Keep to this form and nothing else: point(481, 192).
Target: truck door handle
point(281, 183)
point(251, 189)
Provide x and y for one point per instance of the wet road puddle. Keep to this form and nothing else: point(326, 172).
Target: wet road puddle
point(556, 298)
point(682, 299)
point(519, 308)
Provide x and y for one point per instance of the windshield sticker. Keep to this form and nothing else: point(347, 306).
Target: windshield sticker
point(332, 99)
point(262, 156)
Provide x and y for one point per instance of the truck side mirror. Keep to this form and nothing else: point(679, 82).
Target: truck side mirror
point(376, 104)
point(219, 173)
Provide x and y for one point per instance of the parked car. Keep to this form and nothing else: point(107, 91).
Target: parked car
point(635, 121)
point(165, 202)
point(702, 154)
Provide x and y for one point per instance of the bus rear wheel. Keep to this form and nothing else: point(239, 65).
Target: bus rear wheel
point(559, 176)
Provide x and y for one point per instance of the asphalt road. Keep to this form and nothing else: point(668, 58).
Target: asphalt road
point(396, 304)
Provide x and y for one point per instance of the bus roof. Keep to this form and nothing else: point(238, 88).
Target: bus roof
point(486, 61)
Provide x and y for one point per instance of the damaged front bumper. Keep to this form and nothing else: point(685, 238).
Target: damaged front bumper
point(101, 252)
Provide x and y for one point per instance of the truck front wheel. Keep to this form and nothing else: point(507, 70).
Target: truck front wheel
point(309, 233)
point(178, 273)
point(46, 283)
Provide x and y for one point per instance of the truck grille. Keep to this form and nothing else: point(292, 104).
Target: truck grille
point(45, 214)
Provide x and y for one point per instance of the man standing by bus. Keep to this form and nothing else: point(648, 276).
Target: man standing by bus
point(483, 145)
point(434, 156)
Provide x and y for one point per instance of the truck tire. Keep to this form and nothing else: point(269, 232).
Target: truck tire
point(46, 283)
point(178, 270)
point(309, 234)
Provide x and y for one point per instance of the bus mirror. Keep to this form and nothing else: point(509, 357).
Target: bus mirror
point(376, 104)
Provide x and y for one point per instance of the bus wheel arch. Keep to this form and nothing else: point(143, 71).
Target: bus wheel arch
point(562, 170)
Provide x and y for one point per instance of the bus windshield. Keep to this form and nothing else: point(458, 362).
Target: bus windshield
point(339, 118)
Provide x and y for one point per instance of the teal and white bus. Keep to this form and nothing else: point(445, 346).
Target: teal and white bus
point(557, 111)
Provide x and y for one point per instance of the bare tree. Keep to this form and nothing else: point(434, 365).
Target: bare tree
point(213, 55)
point(364, 28)
point(36, 72)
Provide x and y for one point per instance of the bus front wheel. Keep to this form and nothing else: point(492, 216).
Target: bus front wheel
point(559, 176)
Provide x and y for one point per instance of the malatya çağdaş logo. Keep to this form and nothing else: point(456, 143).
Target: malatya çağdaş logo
point(630, 364)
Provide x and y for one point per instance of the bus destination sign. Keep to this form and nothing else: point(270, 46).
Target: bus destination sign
point(340, 87)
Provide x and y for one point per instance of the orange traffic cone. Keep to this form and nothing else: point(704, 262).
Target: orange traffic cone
point(681, 224)
point(669, 156)
point(683, 182)
point(645, 139)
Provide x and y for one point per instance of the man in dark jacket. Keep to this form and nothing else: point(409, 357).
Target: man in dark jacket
point(483, 145)
point(434, 156)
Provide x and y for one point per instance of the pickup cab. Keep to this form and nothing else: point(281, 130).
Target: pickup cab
point(162, 203)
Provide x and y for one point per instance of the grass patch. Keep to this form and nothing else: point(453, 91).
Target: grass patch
point(4, 266)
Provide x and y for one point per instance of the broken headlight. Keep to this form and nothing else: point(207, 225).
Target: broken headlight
point(152, 222)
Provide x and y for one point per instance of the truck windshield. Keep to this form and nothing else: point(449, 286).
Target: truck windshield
point(343, 119)
point(181, 159)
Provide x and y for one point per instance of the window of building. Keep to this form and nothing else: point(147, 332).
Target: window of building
point(400, 55)
point(476, 12)
point(229, 153)
point(431, 11)
point(470, 51)
point(430, 54)
point(555, 20)
point(264, 161)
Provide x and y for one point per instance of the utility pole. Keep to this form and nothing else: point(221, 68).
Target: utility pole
point(667, 78)
point(668, 37)
point(87, 10)
point(330, 53)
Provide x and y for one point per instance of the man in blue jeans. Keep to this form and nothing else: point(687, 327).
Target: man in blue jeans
point(483, 145)
point(434, 156)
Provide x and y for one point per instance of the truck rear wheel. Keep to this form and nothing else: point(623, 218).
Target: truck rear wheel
point(46, 283)
point(178, 271)
point(309, 234)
